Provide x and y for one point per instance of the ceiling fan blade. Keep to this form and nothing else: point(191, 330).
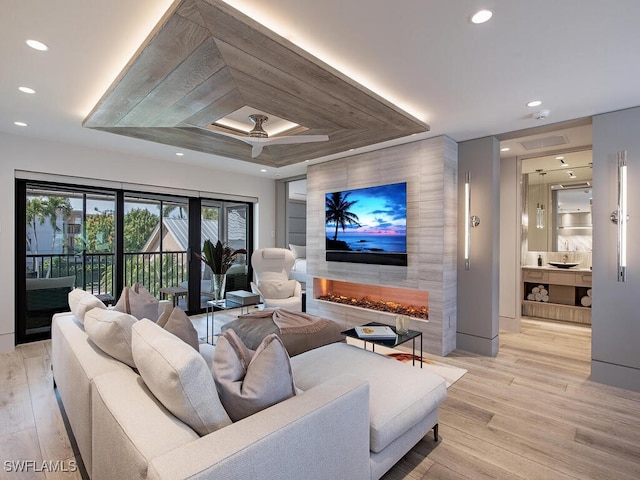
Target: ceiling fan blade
point(258, 144)
point(256, 149)
point(292, 139)
point(242, 138)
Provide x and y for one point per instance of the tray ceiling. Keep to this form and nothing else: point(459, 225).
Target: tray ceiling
point(205, 60)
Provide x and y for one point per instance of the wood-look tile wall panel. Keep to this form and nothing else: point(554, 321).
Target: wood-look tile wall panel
point(430, 169)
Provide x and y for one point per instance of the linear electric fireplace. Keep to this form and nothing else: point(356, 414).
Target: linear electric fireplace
point(373, 297)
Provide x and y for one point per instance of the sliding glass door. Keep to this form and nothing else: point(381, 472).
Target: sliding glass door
point(68, 242)
point(102, 241)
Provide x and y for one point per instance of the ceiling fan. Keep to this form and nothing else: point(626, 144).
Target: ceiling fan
point(258, 138)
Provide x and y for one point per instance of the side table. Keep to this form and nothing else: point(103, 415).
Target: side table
point(175, 292)
point(410, 335)
point(213, 306)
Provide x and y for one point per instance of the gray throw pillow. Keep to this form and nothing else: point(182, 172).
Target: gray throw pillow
point(137, 301)
point(178, 376)
point(251, 381)
point(181, 326)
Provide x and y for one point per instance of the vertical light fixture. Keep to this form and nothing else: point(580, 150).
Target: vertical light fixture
point(621, 215)
point(470, 221)
point(540, 206)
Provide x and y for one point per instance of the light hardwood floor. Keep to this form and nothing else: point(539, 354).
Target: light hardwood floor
point(529, 413)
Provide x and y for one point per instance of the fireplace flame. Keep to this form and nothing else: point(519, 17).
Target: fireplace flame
point(379, 305)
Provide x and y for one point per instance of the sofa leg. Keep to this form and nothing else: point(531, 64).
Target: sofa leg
point(435, 432)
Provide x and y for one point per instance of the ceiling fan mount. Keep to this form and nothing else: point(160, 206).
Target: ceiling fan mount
point(258, 131)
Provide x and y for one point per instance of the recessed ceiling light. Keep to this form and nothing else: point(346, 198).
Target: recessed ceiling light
point(505, 149)
point(481, 16)
point(20, 124)
point(36, 45)
point(26, 90)
point(534, 103)
point(179, 154)
point(263, 170)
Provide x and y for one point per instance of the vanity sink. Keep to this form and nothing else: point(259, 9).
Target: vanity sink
point(564, 264)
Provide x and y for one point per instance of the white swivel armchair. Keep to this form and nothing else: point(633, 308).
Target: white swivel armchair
point(272, 266)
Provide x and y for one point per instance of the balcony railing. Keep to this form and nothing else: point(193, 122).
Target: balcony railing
point(94, 272)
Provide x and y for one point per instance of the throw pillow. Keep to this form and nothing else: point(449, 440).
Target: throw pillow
point(178, 377)
point(279, 289)
point(137, 301)
point(80, 302)
point(247, 381)
point(299, 251)
point(181, 326)
point(111, 332)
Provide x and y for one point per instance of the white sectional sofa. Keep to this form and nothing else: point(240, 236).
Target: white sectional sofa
point(356, 415)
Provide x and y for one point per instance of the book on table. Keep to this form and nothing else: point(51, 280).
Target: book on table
point(375, 332)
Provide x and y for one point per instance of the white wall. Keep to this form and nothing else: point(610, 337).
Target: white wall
point(616, 306)
point(28, 154)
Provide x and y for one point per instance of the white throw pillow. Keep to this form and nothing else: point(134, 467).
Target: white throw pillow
point(178, 376)
point(277, 290)
point(80, 302)
point(251, 381)
point(111, 332)
point(299, 251)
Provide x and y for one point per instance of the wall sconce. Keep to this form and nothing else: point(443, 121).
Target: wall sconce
point(471, 221)
point(541, 194)
point(620, 216)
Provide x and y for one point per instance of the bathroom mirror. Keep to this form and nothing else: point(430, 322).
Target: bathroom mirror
point(556, 213)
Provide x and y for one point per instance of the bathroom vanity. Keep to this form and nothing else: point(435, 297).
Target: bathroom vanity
point(567, 293)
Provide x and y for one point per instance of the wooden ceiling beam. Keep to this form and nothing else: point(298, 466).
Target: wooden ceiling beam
point(205, 60)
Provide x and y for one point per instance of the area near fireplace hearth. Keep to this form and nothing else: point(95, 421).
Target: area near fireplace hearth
point(429, 167)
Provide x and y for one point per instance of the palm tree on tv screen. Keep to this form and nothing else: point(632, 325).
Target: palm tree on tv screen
point(337, 211)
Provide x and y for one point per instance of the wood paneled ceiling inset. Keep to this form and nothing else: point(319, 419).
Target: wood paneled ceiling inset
point(205, 60)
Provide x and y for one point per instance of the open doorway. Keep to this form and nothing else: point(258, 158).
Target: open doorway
point(531, 221)
point(556, 237)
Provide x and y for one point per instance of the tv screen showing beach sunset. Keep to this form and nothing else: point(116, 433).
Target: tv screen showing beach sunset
point(367, 225)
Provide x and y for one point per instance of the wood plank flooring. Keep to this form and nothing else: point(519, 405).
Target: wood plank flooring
point(530, 413)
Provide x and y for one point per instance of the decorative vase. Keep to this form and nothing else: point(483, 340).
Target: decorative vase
point(218, 282)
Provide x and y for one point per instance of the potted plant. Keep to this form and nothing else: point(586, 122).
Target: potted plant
point(218, 258)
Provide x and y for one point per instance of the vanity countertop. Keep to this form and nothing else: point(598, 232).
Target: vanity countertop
point(551, 268)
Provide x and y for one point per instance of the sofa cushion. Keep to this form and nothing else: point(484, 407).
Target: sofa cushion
point(178, 323)
point(111, 332)
point(277, 289)
point(178, 376)
point(251, 381)
point(137, 301)
point(81, 301)
point(400, 394)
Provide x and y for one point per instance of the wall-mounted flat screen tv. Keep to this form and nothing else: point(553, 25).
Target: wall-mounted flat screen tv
point(367, 225)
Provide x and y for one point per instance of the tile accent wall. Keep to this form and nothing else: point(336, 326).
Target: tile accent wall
point(430, 168)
